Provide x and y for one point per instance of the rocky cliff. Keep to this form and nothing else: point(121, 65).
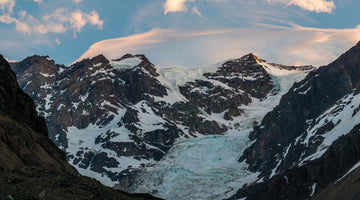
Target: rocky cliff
point(31, 165)
point(311, 138)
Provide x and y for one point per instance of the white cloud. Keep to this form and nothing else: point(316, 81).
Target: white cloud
point(49, 28)
point(310, 5)
point(196, 11)
point(58, 15)
point(22, 27)
point(94, 19)
point(6, 10)
point(77, 20)
point(174, 6)
point(179, 6)
point(7, 5)
point(38, 1)
point(77, 1)
point(58, 22)
point(7, 19)
point(286, 45)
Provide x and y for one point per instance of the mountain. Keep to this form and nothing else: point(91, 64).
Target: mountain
point(311, 139)
point(115, 117)
point(31, 165)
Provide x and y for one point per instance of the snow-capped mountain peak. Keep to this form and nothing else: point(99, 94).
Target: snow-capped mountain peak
point(112, 116)
point(251, 57)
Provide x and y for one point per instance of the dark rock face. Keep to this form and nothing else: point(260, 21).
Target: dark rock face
point(31, 165)
point(244, 77)
point(298, 111)
point(291, 137)
point(302, 182)
point(23, 133)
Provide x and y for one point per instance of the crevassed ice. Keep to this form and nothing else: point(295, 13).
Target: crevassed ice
point(199, 168)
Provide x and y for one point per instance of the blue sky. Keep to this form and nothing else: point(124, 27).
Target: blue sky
point(180, 32)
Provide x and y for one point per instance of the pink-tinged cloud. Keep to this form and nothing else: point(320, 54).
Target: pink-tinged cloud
point(22, 27)
point(94, 19)
point(286, 45)
point(7, 5)
point(310, 5)
point(7, 19)
point(6, 10)
point(49, 28)
point(58, 22)
point(78, 20)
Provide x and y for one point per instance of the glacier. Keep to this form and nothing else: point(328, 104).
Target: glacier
point(207, 167)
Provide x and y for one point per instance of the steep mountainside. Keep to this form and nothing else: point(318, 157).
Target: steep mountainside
point(311, 137)
point(113, 116)
point(31, 165)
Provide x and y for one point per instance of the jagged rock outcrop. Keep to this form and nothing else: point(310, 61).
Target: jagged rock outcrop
point(31, 165)
point(244, 77)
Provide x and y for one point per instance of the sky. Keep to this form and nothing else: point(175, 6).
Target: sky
point(186, 33)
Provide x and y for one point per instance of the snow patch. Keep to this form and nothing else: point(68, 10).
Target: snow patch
point(97, 65)
point(48, 101)
point(126, 63)
point(84, 140)
point(341, 115)
point(47, 75)
point(313, 189)
point(357, 165)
